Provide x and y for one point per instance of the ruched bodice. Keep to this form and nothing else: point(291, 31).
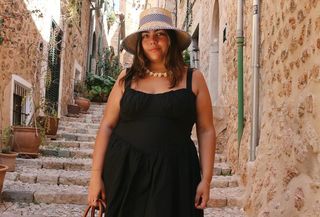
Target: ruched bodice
point(163, 119)
point(151, 166)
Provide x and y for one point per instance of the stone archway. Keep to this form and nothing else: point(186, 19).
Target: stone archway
point(214, 55)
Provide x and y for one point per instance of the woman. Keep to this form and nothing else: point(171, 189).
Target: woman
point(144, 162)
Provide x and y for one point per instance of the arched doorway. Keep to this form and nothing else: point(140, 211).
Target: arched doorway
point(214, 56)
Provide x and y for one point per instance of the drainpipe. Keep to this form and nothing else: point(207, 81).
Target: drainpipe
point(88, 43)
point(240, 42)
point(255, 81)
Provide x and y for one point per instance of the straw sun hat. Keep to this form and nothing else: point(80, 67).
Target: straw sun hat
point(152, 19)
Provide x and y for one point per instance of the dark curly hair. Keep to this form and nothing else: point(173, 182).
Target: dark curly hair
point(174, 62)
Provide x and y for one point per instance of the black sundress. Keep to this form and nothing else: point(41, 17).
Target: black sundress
point(151, 166)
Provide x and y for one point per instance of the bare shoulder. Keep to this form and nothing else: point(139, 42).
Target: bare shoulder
point(122, 74)
point(198, 81)
point(119, 82)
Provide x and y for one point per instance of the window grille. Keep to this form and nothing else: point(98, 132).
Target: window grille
point(19, 104)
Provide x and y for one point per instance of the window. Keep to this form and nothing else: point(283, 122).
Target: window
point(19, 105)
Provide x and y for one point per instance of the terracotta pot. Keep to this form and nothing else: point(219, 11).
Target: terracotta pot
point(26, 140)
point(9, 159)
point(83, 103)
point(3, 170)
point(50, 124)
point(73, 109)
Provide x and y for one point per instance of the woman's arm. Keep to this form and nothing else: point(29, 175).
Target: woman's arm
point(108, 122)
point(205, 131)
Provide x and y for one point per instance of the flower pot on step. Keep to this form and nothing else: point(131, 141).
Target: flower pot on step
point(3, 170)
point(84, 104)
point(9, 159)
point(26, 140)
point(73, 110)
point(50, 124)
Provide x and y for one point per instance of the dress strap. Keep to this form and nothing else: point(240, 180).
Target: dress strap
point(127, 83)
point(189, 78)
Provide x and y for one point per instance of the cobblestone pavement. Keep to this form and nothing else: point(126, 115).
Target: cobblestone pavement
point(57, 210)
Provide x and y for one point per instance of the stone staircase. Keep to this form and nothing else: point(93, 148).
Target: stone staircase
point(55, 184)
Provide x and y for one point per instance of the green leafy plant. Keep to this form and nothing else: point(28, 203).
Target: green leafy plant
point(5, 141)
point(73, 11)
point(80, 89)
point(111, 18)
point(108, 64)
point(186, 57)
point(99, 86)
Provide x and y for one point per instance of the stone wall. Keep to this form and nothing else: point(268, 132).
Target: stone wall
point(18, 52)
point(287, 167)
point(74, 55)
point(23, 52)
point(284, 179)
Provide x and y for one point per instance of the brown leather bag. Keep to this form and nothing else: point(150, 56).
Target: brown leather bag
point(102, 205)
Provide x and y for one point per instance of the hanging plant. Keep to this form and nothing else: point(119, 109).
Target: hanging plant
point(73, 11)
point(111, 18)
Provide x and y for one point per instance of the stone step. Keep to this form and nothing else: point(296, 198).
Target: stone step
point(49, 176)
point(58, 163)
point(224, 181)
point(67, 129)
point(222, 169)
point(44, 193)
point(11, 209)
point(220, 158)
point(14, 209)
point(75, 194)
point(72, 159)
point(77, 137)
point(224, 212)
point(66, 152)
point(221, 197)
point(80, 120)
point(56, 144)
point(25, 174)
point(78, 125)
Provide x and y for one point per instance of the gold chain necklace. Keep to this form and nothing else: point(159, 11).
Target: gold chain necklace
point(157, 74)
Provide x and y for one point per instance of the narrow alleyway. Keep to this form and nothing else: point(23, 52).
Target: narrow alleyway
point(55, 184)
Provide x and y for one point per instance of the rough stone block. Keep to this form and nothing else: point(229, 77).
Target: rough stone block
point(82, 181)
point(63, 153)
point(217, 202)
point(73, 166)
point(220, 183)
point(49, 152)
point(52, 165)
point(47, 179)
point(234, 201)
point(21, 196)
point(217, 171)
point(226, 171)
point(60, 197)
point(28, 178)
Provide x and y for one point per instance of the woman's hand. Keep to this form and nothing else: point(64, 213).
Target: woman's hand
point(96, 190)
point(202, 194)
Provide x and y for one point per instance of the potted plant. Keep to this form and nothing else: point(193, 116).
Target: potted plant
point(49, 120)
point(28, 136)
point(26, 139)
point(81, 94)
point(3, 170)
point(7, 157)
point(99, 87)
